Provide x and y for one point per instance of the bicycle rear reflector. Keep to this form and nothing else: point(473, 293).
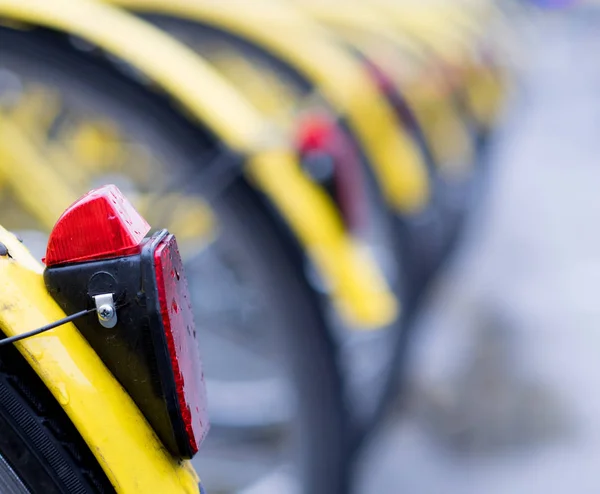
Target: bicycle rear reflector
point(101, 224)
point(143, 328)
point(331, 158)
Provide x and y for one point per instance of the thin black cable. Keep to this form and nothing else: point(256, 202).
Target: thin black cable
point(48, 327)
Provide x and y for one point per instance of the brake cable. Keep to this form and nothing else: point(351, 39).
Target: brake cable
point(47, 327)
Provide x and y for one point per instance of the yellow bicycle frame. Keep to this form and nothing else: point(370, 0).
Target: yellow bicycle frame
point(116, 432)
point(358, 287)
point(282, 30)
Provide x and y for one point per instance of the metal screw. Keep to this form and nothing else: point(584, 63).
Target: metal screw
point(3, 250)
point(106, 312)
point(105, 309)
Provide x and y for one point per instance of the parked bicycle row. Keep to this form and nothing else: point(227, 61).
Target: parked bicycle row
point(316, 160)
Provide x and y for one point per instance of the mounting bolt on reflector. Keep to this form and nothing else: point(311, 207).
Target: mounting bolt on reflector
point(106, 310)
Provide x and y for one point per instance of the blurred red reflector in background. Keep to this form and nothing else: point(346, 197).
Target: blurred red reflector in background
point(318, 133)
point(102, 224)
point(180, 333)
point(314, 132)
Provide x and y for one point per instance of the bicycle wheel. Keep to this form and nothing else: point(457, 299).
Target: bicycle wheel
point(368, 360)
point(93, 118)
point(40, 449)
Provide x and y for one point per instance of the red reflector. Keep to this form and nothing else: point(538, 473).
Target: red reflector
point(320, 133)
point(180, 333)
point(101, 224)
point(314, 132)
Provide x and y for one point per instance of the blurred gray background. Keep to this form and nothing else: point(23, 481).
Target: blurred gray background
point(505, 380)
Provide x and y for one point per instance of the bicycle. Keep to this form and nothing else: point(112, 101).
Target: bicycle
point(121, 97)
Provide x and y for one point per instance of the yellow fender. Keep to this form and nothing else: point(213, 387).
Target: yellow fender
point(272, 95)
point(363, 27)
point(116, 432)
point(446, 28)
point(285, 32)
point(452, 31)
point(358, 286)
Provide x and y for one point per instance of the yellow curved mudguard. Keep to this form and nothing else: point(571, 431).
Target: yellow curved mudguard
point(415, 75)
point(452, 31)
point(115, 430)
point(358, 286)
point(176, 70)
point(276, 97)
point(445, 27)
point(362, 292)
point(282, 30)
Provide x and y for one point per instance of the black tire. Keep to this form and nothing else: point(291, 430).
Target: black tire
point(37, 439)
point(305, 343)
